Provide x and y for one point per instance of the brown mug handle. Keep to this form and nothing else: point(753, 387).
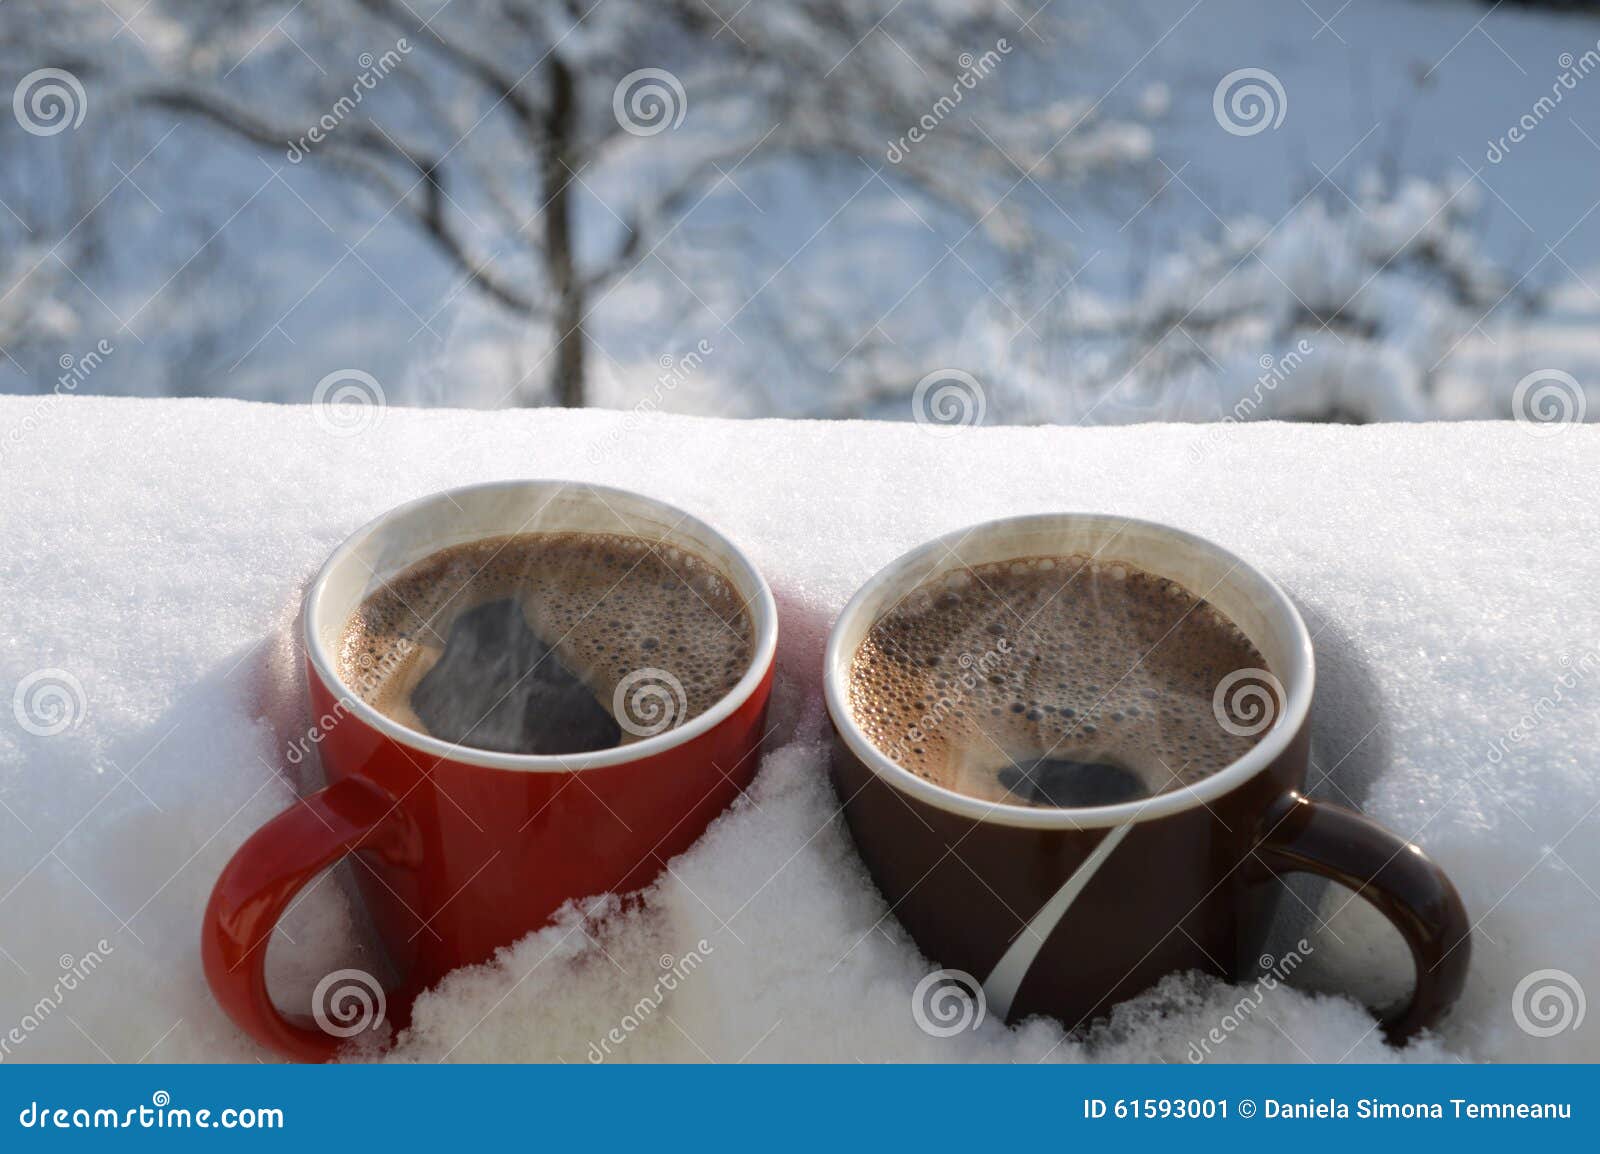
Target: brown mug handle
point(1396, 876)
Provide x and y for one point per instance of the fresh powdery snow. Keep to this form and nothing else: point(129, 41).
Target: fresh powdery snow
point(152, 554)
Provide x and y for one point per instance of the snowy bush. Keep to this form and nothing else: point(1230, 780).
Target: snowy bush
point(1377, 309)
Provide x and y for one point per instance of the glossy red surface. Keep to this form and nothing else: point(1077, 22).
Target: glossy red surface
point(464, 859)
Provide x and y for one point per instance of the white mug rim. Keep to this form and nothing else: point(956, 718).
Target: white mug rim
point(1298, 684)
point(762, 609)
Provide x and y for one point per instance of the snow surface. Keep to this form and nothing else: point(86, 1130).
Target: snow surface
point(155, 551)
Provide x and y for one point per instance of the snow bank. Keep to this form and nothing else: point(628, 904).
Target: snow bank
point(152, 555)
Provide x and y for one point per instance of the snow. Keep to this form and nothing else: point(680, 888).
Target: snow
point(1388, 295)
point(154, 553)
point(1378, 176)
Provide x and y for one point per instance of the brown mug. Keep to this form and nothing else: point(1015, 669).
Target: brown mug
point(1066, 912)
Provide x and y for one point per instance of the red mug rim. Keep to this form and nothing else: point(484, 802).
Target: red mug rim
point(731, 560)
point(1278, 632)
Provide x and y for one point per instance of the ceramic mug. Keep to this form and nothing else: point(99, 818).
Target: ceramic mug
point(465, 850)
point(1066, 912)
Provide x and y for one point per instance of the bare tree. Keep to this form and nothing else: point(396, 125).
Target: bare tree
point(487, 126)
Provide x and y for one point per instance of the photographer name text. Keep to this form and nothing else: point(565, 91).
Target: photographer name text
point(1316, 1109)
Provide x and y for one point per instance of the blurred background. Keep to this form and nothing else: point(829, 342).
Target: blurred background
point(959, 211)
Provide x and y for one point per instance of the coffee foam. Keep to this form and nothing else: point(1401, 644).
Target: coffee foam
point(660, 622)
point(984, 669)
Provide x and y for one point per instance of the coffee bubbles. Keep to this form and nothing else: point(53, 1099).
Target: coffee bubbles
point(532, 643)
point(1051, 681)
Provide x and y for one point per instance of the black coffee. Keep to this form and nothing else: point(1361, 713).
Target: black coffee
point(1056, 681)
point(548, 643)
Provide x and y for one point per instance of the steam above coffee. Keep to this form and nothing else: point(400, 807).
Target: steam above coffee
point(548, 643)
point(1057, 681)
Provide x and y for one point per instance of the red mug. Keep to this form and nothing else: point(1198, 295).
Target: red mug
point(466, 850)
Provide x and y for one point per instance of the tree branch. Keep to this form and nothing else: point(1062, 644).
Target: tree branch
point(365, 149)
point(500, 83)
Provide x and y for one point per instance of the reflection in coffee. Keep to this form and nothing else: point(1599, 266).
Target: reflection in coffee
point(548, 643)
point(1052, 681)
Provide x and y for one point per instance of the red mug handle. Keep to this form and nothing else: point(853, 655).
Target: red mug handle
point(1395, 876)
point(261, 880)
